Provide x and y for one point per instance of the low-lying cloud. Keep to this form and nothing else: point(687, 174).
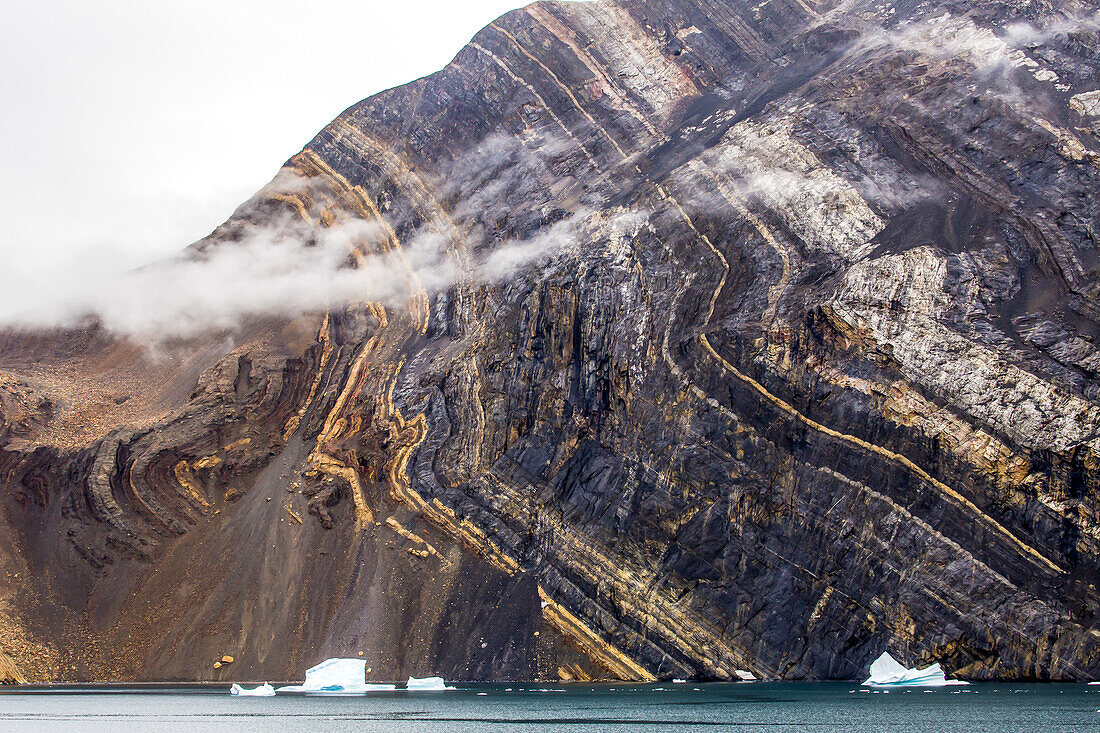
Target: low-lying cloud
point(950, 37)
point(286, 266)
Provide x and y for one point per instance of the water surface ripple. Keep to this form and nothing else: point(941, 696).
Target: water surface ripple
point(542, 708)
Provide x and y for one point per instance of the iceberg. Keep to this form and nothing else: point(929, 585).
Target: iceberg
point(337, 677)
point(427, 684)
point(888, 672)
point(264, 690)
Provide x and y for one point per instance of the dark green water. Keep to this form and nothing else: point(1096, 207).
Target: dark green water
point(657, 708)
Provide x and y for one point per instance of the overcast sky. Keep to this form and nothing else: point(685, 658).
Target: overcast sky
point(131, 129)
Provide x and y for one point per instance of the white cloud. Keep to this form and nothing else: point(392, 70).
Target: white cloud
point(950, 37)
point(132, 128)
point(279, 264)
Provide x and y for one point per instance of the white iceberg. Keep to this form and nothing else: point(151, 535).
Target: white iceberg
point(337, 677)
point(888, 672)
point(427, 684)
point(264, 690)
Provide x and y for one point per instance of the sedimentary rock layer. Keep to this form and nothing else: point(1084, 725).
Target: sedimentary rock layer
point(772, 346)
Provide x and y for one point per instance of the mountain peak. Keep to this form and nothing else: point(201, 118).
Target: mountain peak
point(649, 339)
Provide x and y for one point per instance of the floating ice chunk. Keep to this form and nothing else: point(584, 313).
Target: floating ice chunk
point(336, 673)
point(264, 690)
point(427, 684)
point(745, 675)
point(679, 682)
point(359, 689)
point(337, 677)
point(888, 672)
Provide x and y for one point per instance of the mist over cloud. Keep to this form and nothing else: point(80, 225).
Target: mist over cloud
point(824, 189)
point(270, 271)
point(283, 265)
point(949, 37)
point(998, 56)
point(834, 208)
point(1026, 34)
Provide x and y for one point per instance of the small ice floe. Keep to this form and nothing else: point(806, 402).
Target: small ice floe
point(745, 675)
point(337, 677)
point(679, 682)
point(264, 690)
point(427, 684)
point(888, 672)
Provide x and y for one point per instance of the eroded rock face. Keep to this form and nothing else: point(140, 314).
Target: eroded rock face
point(806, 370)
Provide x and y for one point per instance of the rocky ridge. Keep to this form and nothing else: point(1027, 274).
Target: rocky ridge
point(803, 368)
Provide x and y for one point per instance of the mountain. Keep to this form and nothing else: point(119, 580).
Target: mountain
point(721, 336)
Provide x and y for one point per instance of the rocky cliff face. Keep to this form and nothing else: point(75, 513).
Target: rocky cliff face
point(806, 368)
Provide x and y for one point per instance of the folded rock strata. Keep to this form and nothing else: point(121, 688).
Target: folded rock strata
point(808, 369)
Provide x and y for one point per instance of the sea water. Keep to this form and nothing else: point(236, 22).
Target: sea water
point(544, 708)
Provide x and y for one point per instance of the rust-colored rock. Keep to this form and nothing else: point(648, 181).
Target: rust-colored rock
point(9, 672)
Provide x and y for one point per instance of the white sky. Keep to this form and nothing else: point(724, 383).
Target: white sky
point(130, 129)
